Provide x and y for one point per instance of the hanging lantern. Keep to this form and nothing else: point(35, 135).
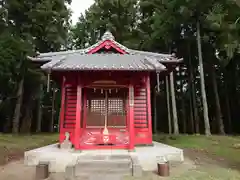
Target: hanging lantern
point(101, 91)
point(110, 91)
point(94, 89)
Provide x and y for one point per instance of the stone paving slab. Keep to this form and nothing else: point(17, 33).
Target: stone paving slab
point(106, 177)
point(60, 158)
point(103, 165)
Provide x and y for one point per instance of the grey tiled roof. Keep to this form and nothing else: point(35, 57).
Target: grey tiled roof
point(104, 62)
point(109, 36)
point(161, 57)
point(80, 59)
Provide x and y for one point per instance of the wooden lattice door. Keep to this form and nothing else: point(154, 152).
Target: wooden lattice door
point(105, 118)
point(106, 106)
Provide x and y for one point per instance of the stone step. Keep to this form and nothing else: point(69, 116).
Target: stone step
point(97, 177)
point(105, 164)
point(102, 166)
point(123, 172)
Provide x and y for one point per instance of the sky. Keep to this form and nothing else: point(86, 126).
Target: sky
point(78, 7)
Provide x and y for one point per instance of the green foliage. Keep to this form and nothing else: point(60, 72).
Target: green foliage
point(118, 16)
point(27, 27)
point(222, 19)
point(170, 26)
point(153, 25)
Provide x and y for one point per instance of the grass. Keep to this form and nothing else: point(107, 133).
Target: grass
point(221, 146)
point(227, 147)
point(13, 146)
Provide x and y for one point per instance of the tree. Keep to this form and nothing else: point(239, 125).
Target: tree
point(119, 16)
point(174, 107)
point(168, 106)
point(42, 27)
point(204, 98)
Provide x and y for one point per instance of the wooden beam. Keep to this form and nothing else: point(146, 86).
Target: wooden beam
point(62, 112)
point(78, 115)
point(131, 117)
point(148, 85)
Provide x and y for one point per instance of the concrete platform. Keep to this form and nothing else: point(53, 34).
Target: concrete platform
point(59, 159)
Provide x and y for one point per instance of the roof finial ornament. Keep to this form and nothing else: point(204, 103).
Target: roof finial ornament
point(108, 36)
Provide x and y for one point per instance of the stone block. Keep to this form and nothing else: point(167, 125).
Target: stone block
point(137, 170)
point(104, 164)
point(102, 172)
point(70, 172)
point(57, 176)
point(42, 170)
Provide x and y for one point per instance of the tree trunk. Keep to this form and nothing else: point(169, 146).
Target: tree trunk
point(193, 96)
point(219, 116)
point(168, 107)
point(228, 114)
point(39, 107)
point(17, 111)
point(191, 124)
point(195, 107)
point(203, 90)
point(227, 104)
point(174, 108)
point(7, 125)
point(182, 101)
point(27, 119)
point(237, 2)
point(191, 84)
point(51, 125)
point(155, 111)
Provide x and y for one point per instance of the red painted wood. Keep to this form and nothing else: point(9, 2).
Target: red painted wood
point(78, 116)
point(131, 122)
point(92, 137)
point(127, 110)
point(107, 44)
point(140, 112)
point(84, 108)
point(70, 105)
point(149, 108)
point(61, 138)
point(103, 147)
point(141, 119)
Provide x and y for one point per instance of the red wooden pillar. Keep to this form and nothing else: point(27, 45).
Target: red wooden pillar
point(149, 106)
point(131, 117)
point(62, 112)
point(84, 120)
point(78, 115)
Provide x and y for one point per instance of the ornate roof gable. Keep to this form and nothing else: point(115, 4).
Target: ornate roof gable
point(107, 41)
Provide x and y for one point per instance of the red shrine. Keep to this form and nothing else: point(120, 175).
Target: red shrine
point(106, 93)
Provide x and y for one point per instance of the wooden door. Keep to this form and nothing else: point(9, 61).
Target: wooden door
point(106, 106)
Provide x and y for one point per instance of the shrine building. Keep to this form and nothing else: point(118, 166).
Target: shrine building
point(106, 93)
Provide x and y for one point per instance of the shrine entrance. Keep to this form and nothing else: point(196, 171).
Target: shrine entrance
point(106, 92)
point(105, 122)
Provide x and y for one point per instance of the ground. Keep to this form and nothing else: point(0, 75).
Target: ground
point(215, 157)
point(12, 147)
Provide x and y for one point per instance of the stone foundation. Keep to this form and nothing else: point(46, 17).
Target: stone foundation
point(144, 157)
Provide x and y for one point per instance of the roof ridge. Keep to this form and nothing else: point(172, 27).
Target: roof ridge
point(61, 53)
